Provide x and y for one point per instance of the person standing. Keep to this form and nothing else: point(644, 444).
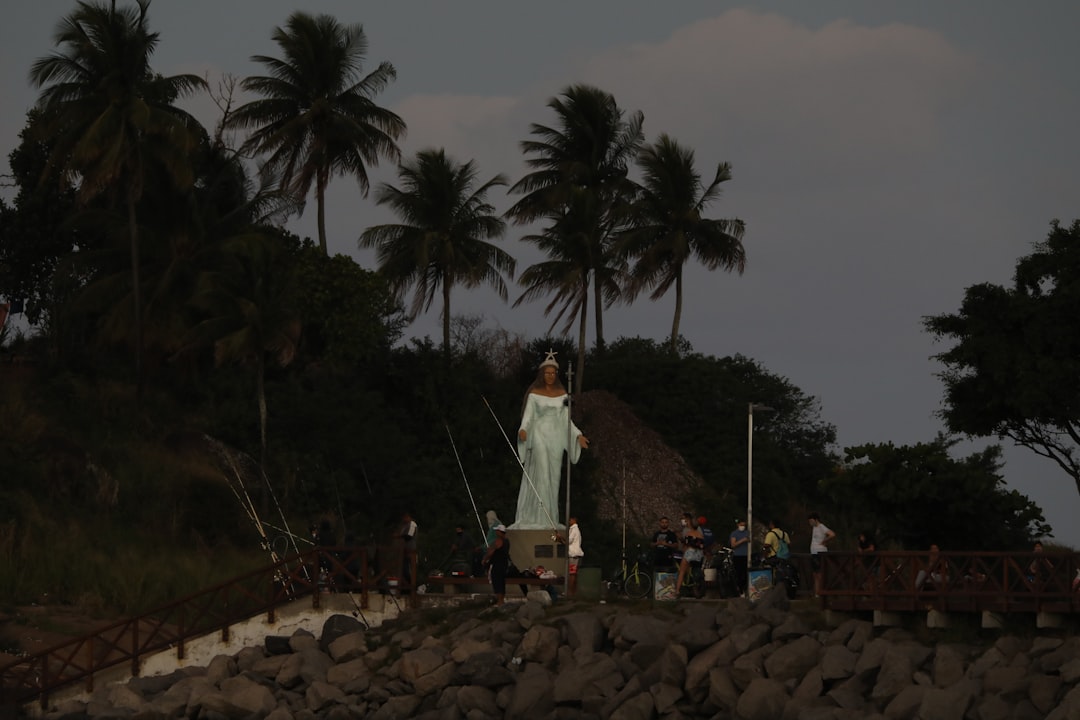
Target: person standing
point(708, 538)
point(777, 543)
point(693, 542)
point(866, 547)
point(665, 542)
point(493, 522)
point(1040, 567)
point(739, 542)
point(820, 536)
point(574, 553)
point(545, 434)
point(459, 561)
point(408, 558)
point(866, 544)
point(497, 560)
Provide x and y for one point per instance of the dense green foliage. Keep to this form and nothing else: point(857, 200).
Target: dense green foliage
point(1014, 370)
point(257, 341)
point(912, 496)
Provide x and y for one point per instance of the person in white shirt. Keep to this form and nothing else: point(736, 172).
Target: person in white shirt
point(408, 539)
point(574, 553)
point(819, 539)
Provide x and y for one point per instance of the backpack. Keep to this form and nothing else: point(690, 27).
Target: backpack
point(782, 550)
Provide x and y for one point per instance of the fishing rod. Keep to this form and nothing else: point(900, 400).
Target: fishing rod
point(249, 510)
point(483, 530)
point(284, 520)
point(249, 507)
point(246, 503)
point(358, 611)
point(524, 471)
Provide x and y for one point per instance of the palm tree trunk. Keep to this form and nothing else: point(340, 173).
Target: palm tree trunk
point(597, 290)
point(446, 320)
point(678, 314)
point(136, 293)
point(320, 201)
point(260, 389)
point(582, 324)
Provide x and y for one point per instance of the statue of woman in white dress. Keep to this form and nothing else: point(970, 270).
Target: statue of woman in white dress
point(546, 433)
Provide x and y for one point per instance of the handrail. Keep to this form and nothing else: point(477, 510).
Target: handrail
point(215, 609)
point(951, 581)
point(968, 582)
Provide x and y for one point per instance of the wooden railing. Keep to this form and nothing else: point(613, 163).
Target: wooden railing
point(951, 582)
point(894, 581)
point(216, 609)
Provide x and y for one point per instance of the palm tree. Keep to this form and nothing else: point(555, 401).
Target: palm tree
point(112, 119)
point(667, 228)
point(317, 118)
point(248, 309)
point(579, 183)
point(442, 239)
point(564, 276)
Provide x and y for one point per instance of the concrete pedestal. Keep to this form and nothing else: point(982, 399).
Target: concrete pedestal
point(529, 548)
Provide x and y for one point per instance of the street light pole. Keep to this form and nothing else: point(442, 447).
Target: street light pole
point(750, 487)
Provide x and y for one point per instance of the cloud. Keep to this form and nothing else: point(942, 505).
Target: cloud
point(836, 97)
point(469, 127)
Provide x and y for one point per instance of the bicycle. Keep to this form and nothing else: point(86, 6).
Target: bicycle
point(784, 571)
point(694, 582)
point(728, 580)
point(631, 580)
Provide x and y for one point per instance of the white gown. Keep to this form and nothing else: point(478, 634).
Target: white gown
point(546, 439)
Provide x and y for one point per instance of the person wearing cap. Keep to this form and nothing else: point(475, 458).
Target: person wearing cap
point(739, 541)
point(493, 522)
point(545, 434)
point(497, 558)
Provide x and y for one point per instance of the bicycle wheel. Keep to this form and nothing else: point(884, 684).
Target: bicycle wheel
point(638, 585)
point(699, 583)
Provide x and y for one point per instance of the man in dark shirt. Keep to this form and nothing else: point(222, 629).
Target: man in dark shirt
point(664, 541)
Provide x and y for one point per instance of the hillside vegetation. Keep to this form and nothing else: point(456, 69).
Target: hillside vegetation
point(112, 503)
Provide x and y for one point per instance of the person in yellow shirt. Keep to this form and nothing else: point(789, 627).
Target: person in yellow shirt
point(776, 543)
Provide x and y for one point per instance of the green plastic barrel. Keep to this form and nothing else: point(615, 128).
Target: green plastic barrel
point(588, 583)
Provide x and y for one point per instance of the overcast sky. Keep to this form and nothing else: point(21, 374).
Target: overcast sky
point(886, 156)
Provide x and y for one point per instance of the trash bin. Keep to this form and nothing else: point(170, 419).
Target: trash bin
point(588, 583)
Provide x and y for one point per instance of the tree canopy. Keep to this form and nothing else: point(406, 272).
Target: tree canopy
point(1014, 370)
point(667, 227)
point(579, 184)
point(442, 240)
point(317, 117)
point(915, 495)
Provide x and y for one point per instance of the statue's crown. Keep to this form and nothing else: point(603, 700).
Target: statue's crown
point(550, 360)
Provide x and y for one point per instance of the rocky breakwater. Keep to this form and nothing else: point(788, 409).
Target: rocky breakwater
point(711, 660)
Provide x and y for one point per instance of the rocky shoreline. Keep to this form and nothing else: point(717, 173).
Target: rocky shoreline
point(625, 662)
